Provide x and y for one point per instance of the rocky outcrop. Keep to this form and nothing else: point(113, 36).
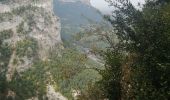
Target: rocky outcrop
point(52, 95)
point(36, 31)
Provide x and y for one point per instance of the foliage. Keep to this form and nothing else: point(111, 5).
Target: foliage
point(65, 67)
point(3, 86)
point(6, 15)
point(27, 47)
point(109, 86)
point(65, 71)
point(111, 76)
point(21, 30)
point(144, 34)
point(5, 49)
point(5, 34)
point(5, 54)
point(23, 10)
point(31, 83)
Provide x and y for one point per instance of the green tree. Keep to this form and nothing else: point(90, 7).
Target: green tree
point(144, 36)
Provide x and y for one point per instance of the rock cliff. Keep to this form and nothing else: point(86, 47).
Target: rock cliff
point(34, 27)
point(29, 31)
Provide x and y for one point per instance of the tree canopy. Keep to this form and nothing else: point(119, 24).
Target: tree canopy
point(144, 37)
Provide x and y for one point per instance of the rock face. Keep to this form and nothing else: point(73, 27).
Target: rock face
point(29, 32)
point(35, 28)
point(52, 95)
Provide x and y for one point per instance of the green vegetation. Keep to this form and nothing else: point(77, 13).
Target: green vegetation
point(5, 16)
point(5, 48)
point(137, 68)
point(6, 34)
point(5, 54)
point(23, 10)
point(65, 71)
point(27, 47)
point(136, 65)
point(69, 71)
point(21, 29)
point(31, 83)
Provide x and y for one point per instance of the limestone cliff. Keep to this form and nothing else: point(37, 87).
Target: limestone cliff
point(29, 31)
point(32, 22)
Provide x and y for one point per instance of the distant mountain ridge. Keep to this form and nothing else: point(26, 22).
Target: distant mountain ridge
point(83, 1)
point(75, 15)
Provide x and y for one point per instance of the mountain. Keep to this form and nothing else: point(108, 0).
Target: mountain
point(83, 1)
point(29, 32)
point(34, 62)
point(75, 15)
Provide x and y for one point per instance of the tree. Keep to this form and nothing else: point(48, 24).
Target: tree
point(144, 36)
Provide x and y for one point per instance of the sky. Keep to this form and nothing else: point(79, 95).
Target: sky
point(101, 5)
point(104, 8)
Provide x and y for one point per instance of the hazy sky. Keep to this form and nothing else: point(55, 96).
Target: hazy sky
point(103, 6)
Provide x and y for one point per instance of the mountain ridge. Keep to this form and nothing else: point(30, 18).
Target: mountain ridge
point(75, 16)
point(83, 1)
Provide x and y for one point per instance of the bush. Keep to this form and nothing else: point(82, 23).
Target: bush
point(6, 34)
point(5, 54)
point(27, 47)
